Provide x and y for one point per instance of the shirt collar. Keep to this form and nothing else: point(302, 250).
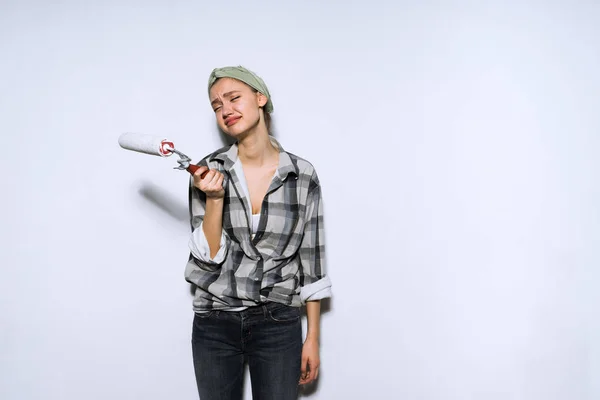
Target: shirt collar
point(229, 156)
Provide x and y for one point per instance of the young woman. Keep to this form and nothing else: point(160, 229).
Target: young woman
point(257, 252)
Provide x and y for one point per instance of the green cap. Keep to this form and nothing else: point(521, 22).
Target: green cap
point(244, 75)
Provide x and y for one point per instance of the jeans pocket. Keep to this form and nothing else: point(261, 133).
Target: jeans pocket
point(203, 315)
point(283, 313)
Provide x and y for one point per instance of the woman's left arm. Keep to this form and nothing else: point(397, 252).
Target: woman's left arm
point(314, 280)
point(310, 351)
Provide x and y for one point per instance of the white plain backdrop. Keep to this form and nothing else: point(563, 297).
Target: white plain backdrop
point(457, 144)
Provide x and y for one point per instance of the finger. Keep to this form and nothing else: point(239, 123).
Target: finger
point(215, 177)
point(309, 371)
point(304, 371)
point(303, 380)
point(210, 176)
point(198, 176)
point(220, 182)
point(200, 171)
point(303, 367)
point(212, 182)
point(313, 373)
point(316, 373)
point(203, 180)
point(309, 375)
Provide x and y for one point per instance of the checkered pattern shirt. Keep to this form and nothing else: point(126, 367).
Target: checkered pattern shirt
point(283, 262)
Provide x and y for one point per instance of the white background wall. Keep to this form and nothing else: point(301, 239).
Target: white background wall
point(457, 144)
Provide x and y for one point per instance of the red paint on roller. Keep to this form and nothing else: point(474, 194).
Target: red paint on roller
point(165, 147)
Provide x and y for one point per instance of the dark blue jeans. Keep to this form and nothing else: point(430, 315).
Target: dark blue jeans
point(267, 337)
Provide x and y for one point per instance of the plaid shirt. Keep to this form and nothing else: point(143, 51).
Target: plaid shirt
point(284, 261)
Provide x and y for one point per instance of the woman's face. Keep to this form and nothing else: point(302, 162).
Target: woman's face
point(236, 106)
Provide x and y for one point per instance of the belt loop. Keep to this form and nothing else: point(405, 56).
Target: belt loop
point(264, 307)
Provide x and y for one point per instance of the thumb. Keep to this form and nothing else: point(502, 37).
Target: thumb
point(202, 169)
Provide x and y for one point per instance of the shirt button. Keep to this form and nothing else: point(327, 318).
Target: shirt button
point(256, 279)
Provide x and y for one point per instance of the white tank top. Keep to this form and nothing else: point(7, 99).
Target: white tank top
point(240, 172)
point(255, 221)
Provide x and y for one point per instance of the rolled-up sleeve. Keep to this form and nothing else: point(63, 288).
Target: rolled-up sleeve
point(201, 250)
point(314, 281)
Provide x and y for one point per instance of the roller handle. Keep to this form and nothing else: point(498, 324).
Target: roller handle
point(193, 168)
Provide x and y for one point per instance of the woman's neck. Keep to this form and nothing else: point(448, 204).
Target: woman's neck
point(257, 150)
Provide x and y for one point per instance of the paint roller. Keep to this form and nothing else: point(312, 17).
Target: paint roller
point(156, 146)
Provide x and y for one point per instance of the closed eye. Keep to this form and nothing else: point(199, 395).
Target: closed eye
point(235, 98)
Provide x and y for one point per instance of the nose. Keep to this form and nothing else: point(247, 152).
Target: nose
point(226, 109)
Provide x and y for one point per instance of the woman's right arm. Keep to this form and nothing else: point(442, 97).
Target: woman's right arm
point(212, 186)
point(209, 241)
point(213, 224)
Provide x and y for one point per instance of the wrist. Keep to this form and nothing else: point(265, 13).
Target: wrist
point(314, 338)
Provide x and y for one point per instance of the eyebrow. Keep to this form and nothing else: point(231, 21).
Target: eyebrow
point(228, 94)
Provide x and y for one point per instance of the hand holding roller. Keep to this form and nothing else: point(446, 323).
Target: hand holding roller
point(153, 145)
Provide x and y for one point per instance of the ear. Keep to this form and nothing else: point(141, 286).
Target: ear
point(262, 99)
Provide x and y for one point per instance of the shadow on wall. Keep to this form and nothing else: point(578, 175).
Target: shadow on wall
point(164, 201)
point(173, 206)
